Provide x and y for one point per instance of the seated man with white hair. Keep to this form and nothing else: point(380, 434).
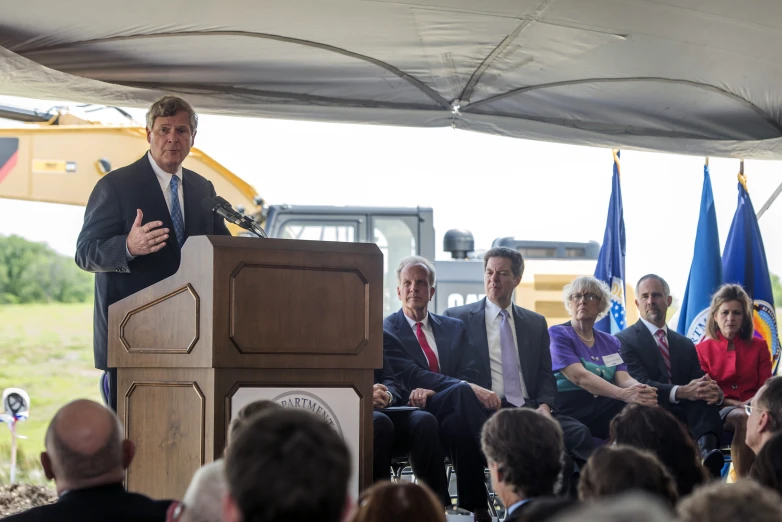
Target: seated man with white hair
point(204, 496)
point(86, 456)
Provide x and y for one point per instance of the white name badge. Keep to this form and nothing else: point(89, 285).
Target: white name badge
point(612, 360)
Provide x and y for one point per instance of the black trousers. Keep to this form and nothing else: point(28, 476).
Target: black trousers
point(699, 417)
point(461, 416)
point(593, 412)
point(417, 435)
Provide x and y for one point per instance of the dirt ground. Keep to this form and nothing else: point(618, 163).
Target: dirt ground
point(20, 497)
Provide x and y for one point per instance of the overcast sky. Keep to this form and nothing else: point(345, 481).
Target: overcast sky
point(491, 185)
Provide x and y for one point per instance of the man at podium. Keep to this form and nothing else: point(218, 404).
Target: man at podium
point(139, 216)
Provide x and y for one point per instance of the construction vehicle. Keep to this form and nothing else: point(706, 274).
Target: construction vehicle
point(58, 157)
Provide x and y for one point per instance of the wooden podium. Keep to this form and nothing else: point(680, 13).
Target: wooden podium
point(243, 315)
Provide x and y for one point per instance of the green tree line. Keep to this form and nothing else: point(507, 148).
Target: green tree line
point(776, 287)
point(33, 272)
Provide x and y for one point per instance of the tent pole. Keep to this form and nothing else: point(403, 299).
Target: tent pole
point(770, 201)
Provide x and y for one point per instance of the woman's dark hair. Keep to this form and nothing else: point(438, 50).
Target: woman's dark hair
point(767, 469)
point(612, 470)
point(658, 431)
point(405, 501)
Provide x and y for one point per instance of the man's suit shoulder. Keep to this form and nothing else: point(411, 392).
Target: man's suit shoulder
point(449, 322)
point(458, 311)
point(196, 177)
point(529, 314)
point(128, 173)
point(676, 337)
point(627, 336)
point(128, 506)
point(47, 512)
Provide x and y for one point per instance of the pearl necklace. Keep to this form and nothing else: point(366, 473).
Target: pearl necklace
point(584, 338)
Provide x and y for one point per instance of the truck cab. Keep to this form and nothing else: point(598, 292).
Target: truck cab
point(399, 232)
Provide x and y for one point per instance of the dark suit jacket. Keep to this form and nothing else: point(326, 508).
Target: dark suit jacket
point(108, 218)
point(456, 355)
point(387, 377)
point(98, 504)
point(645, 362)
point(533, 343)
point(541, 508)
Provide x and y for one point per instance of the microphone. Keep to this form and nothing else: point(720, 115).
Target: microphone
point(224, 209)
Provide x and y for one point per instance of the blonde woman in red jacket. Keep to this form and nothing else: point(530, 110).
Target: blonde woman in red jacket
point(738, 361)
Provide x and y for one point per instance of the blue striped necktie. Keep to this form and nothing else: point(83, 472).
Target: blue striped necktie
point(176, 212)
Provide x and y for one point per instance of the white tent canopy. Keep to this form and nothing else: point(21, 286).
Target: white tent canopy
point(685, 76)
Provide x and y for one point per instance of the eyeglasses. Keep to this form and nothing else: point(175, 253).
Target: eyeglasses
point(589, 297)
point(748, 408)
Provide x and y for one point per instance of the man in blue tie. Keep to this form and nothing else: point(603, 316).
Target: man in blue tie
point(512, 346)
point(432, 356)
point(138, 218)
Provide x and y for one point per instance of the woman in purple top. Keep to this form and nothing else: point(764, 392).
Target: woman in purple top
point(592, 380)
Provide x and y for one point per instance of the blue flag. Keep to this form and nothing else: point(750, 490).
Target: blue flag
point(705, 271)
point(611, 261)
point(744, 263)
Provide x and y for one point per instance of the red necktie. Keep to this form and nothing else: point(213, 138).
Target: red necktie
point(662, 343)
point(430, 356)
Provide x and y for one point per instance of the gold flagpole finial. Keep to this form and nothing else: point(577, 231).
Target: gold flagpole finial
point(615, 153)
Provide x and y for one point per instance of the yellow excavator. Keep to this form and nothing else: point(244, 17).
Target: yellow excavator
point(58, 157)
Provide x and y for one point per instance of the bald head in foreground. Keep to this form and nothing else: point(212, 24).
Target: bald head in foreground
point(86, 456)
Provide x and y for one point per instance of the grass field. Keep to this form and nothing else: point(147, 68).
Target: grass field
point(45, 349)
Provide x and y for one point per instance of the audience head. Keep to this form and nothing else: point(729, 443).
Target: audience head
point(524, 450)
point(403, 501)
point(653, 297)
point(765, 417)
point(248, 411)
point(744, 501)
point(85, 447)
point(286, 465)
point(730, 313)
point(767, 469)
point(502, 271)
point(612, 470)
point(591, 292)
point(628, 507)
point(202, 500)
point(658, 431)
point(415, 278)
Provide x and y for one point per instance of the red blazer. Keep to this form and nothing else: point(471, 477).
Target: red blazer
point(739, 373)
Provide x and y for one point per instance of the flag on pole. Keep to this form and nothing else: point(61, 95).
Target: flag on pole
point(744, 263)
point(705, 271)
point(611, 260)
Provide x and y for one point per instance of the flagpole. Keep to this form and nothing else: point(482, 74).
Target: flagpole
point(742, 177)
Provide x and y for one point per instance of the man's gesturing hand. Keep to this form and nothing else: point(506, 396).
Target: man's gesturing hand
point(146, 239)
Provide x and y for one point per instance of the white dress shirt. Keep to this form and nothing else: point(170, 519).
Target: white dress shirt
point(164, 178)
point(493, 321)
point(653, 330)
point(428, 333)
